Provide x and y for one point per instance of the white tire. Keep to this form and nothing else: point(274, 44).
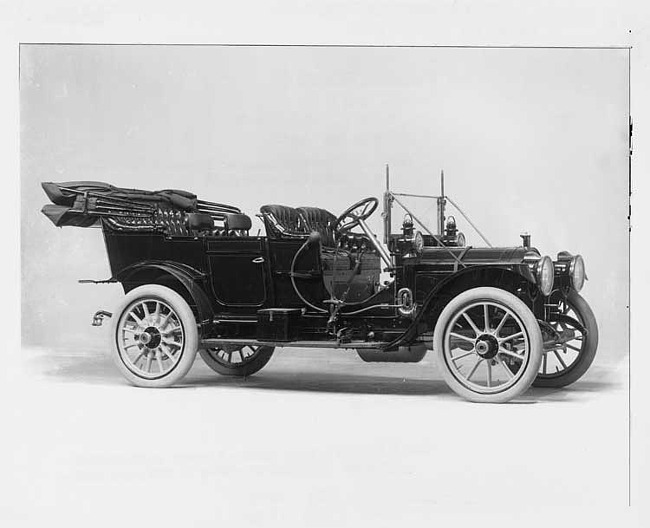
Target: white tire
point(154, 337)
point(488, 345)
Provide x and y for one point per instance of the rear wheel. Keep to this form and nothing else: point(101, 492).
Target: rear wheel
point(567, 363)
point(488, 345)
point(154, 337)
point(237, 361)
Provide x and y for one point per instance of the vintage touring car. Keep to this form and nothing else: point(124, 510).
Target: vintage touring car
point(195, 279)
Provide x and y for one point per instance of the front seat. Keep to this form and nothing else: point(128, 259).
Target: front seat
point(321, 221)
point(282, 221)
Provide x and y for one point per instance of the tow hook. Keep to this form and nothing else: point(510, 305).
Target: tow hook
point(98, 318)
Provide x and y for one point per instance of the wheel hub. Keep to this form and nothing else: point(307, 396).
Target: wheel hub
point(487, 346)
point(150, 337)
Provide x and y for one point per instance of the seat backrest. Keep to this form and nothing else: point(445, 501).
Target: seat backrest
point(282, 221)
point(199, 222)
point(320, 220)
point(237, 222)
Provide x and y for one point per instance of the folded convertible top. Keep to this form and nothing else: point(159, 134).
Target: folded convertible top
point(83, 203)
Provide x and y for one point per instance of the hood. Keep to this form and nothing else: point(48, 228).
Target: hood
point(475, 256)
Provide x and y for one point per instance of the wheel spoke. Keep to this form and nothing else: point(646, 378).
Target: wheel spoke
point(489, 373)
point(167, 352)
point(513, 336)
point(478, 362)
point(572, 347)
point(163, 323)
point(138, 358)
point(135, 317)
point(507, 370)
point(145, 309)
point(127, 329)
point(465, 338)
point(559, 358)
point(471, 323)
point(171, 342)
point(149, 361)
point(501, 323)
point(159, 361)
point(470, 353)
point(486, 318)
point(126, 347)
point(171, 330)
point(511, 354)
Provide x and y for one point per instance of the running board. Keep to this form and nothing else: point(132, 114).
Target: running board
point(216, 343)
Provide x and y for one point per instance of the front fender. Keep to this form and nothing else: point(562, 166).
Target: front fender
point(507, 277)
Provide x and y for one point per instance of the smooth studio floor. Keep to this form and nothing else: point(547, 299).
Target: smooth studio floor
point(317, 438)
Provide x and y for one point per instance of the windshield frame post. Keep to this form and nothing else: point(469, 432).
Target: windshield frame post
point(442, 202)
point(388, 204)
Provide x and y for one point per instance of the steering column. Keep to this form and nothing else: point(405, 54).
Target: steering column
point(356, 215)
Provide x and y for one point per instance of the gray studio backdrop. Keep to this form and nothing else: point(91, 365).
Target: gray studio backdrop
point(530, 139)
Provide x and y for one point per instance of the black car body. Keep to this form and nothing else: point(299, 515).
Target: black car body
point(315, 280)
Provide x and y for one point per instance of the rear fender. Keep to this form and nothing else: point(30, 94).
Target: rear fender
point(185, 280)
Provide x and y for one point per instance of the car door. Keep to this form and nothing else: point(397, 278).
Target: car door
point(238, 271)
point(307, 267)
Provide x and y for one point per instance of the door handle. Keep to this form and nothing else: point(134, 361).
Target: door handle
point(258, 260)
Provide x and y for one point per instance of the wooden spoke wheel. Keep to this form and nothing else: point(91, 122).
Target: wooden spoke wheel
point(154, 337)
point(568, 361)
point(488, 344)
point(237, 360)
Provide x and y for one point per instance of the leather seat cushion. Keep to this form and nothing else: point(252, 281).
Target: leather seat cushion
point(238, 221)
point(320, 220)
point(282, 220)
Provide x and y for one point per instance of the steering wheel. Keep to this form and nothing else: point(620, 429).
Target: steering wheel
point(354, 214)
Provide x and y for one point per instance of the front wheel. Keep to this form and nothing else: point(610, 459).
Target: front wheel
point(154, 337)
point(237, 361)
point(567, 362)
point(488, 345)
